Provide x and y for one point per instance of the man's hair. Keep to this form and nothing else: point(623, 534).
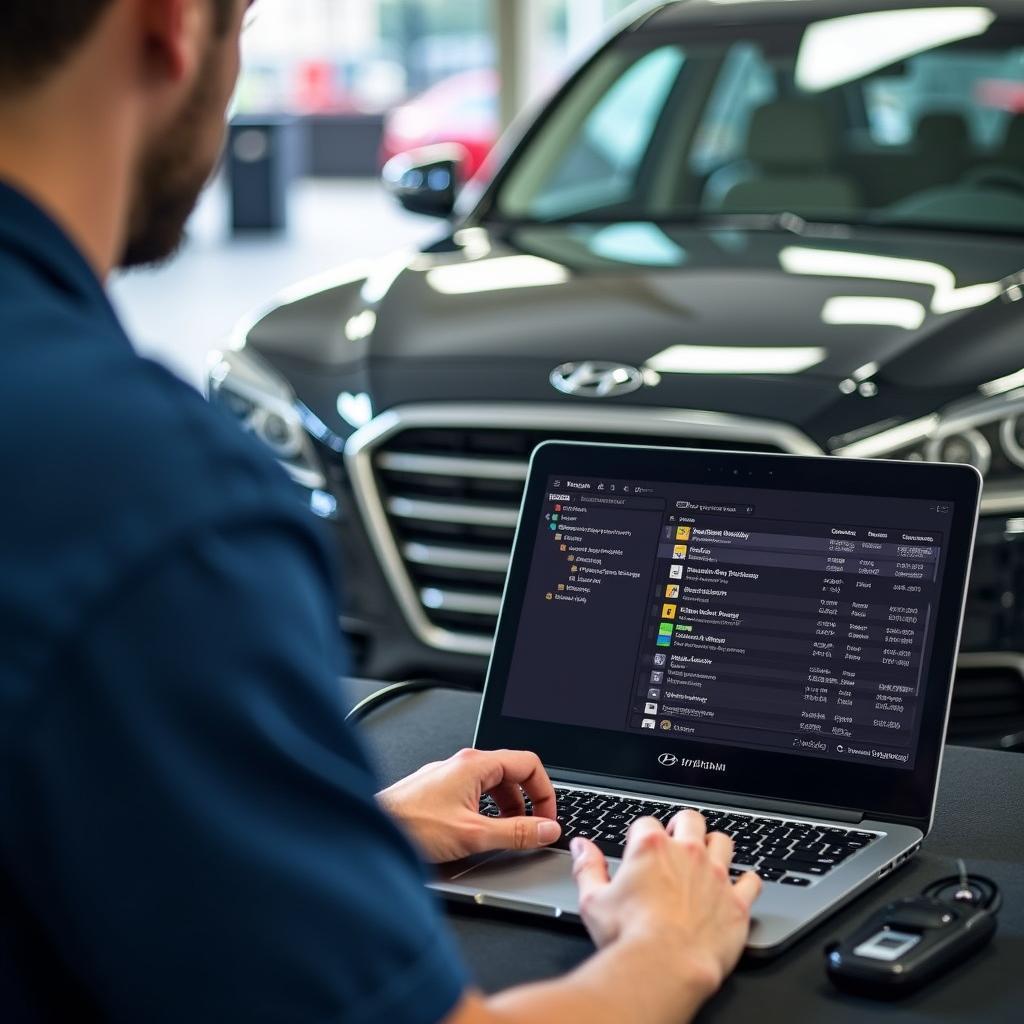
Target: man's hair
point(37, 36)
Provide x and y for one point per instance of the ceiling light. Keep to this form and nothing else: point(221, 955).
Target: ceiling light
point(714, 359)
point(947, 297)
point(501, 274)
point(872, 311)
point(850, 48)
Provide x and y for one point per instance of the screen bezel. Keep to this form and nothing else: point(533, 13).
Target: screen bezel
point(885, 793)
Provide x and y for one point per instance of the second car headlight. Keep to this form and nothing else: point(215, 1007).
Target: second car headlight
point(984, 432)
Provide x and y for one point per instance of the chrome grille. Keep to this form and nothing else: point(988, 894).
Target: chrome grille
point(440, 488)
point(988, 701)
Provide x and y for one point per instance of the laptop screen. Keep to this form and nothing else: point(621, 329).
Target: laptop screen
point(783, 620)
point(709, 618)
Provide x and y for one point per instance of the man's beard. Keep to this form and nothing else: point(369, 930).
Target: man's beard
point(171, 178)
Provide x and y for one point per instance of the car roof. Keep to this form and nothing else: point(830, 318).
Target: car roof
point(738, 12)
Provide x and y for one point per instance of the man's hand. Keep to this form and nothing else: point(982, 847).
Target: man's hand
point(673, 892)
point(439, 806)
point(669, 927)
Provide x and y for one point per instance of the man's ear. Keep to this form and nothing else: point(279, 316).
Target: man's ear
point(175, 32)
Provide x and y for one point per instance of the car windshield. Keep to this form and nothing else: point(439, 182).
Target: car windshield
point(901, 117)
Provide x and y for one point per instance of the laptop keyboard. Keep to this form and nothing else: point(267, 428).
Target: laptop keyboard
point(789, 852)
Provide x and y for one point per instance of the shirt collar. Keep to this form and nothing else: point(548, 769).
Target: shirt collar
point(29, 232)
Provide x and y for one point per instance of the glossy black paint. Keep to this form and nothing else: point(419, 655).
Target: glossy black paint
point(728, 290)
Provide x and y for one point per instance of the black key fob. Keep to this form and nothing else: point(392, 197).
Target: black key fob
point(908, 943)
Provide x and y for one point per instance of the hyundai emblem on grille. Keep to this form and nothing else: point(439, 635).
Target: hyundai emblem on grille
point(596, 380)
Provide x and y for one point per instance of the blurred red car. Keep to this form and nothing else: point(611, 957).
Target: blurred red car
point(1001, 93)
point(462, 108)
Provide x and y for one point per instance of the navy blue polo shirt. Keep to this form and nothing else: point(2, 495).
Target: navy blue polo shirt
point(188, 829)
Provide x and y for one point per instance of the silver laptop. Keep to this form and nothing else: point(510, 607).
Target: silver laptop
point(769, 639)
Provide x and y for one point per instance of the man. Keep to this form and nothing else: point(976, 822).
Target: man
point(188, 832)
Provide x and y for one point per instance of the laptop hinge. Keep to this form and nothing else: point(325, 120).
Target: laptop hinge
point(738, 800)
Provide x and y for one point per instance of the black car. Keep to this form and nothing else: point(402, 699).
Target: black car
point(783, 227)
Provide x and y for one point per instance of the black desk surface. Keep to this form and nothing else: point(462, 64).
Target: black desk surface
point(980, 817)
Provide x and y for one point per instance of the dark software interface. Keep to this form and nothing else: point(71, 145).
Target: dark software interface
point(781, 620)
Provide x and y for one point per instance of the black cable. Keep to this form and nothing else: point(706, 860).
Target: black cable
point(392, 691)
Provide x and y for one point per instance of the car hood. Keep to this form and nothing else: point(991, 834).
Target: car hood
point(768, 323)
point(750, 301)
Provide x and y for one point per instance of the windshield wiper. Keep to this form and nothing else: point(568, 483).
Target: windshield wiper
point(785, 220)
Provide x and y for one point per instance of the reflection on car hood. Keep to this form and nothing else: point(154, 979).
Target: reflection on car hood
point(690, 301)
point(764, 323)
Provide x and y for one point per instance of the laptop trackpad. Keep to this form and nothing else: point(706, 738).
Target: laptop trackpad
point(543, 877)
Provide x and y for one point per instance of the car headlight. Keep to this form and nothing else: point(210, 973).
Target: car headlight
point(984, 432)
point(264, 404)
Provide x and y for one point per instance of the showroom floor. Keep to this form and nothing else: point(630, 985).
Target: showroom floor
point(178, 312)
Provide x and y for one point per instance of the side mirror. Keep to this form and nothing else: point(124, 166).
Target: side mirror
point(426, 180)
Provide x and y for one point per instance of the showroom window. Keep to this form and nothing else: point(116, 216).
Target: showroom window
point(344, 57)
point(331, 57)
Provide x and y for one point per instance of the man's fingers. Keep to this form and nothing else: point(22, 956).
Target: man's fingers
point(509, 798)
point(520, 833)
point(523, 769)
point(642, 834)
point(720, 848)
point(589, 867)
point(688, 825)
point(747, 888)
